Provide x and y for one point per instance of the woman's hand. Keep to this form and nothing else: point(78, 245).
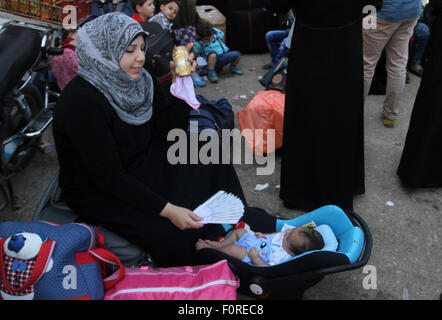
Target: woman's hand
point(191, 60)
point(181, 217)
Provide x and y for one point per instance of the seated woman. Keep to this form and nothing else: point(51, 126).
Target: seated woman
point(110, 127)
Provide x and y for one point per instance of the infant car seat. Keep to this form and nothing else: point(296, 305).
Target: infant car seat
point(292, 277)
point(53, 209)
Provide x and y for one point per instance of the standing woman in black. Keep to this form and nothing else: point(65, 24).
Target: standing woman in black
point(421, 162)
point(323, 142)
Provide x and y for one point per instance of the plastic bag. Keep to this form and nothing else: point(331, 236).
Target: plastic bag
point(265, 111)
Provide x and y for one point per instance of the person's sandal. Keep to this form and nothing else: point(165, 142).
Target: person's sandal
point(213, 77)
point(389, 123)
point(197, 80)
point(236, 70)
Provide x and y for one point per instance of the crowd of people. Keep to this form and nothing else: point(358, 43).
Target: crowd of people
point(112, 118)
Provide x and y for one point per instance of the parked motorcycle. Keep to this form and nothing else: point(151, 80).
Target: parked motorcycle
point(24, 113)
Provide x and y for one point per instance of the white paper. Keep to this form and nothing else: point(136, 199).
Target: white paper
point(390, 203)
point(260, 187)
point(221, 208)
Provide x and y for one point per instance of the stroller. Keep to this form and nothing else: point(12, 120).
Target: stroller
point(349, 233)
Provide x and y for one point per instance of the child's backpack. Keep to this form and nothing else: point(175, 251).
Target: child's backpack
point(44, 261)
point(159, 46)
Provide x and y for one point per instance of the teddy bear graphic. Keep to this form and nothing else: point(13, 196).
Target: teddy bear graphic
point(21, 264)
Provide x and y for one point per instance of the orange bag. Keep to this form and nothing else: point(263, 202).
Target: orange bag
point(265, 111)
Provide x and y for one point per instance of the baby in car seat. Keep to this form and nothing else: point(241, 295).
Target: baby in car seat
point(266, 249)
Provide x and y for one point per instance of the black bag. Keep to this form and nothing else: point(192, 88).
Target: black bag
point(427, 15)
point(247, 30)
point(216, 115)
point(276, 78)
point(159, 46)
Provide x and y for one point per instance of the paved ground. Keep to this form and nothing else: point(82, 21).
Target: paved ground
point(407, 249)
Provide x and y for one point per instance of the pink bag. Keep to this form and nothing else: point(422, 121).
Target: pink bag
point(205, 282)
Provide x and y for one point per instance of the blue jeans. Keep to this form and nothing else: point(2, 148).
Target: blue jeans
point(276, 43)
point(226, 58)
point(421, 35)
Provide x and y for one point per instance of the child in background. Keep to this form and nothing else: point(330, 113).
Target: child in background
point(279, 42)
point(65, 66)
point(211, 46)
point(143, 9)
point(168, 11)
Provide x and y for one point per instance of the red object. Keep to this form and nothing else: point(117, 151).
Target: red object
point(67, 44)
point(137, 18)
point(240, 225)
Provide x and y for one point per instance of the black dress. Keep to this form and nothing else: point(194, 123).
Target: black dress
point(421, 162)
point(323, 141)
point(118, 175)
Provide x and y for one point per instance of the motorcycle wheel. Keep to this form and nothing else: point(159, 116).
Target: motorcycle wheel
point(18, 120)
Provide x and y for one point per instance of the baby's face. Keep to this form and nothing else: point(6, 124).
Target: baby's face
point(293, 238)
point(170, 10)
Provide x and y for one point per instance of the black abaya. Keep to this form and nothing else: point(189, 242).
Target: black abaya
point(421, 162)
point(323, 144)
point(118, 175)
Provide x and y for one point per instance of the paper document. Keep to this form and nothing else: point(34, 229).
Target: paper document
point(221, 208)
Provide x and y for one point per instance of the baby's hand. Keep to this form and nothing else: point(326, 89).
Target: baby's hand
point(259, 234)
point(253, 253)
